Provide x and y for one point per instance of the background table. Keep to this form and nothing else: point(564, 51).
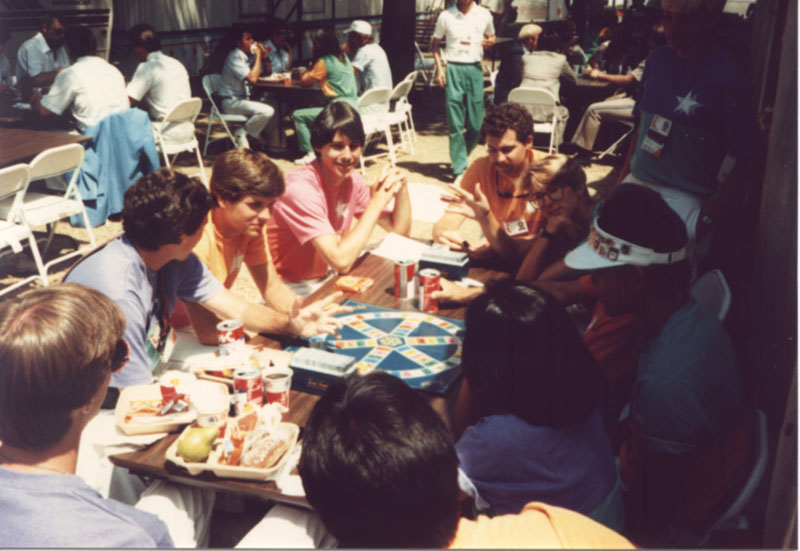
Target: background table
point(286, 99)
point(18, 145)
point(151, 460)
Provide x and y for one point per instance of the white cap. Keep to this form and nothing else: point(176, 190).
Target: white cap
point(360, 27)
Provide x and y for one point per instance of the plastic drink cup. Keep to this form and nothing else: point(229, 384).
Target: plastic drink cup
point(277, 384)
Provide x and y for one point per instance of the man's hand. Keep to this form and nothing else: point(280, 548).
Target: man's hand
point(388, 184)
point(452, 239)
point(452, 292)
point(489, 41)
point(316, 318)
point(466, 204)
point(441, 80)
point(563, 225)
point(481, 249)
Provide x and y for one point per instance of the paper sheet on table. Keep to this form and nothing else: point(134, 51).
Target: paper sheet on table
point(396, 247)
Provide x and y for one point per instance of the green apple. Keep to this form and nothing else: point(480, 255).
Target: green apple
point(196, 443)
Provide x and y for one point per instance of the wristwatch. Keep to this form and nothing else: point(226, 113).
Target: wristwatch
point(544, 233)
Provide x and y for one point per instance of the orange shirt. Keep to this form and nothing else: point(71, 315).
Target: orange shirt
point(493, 182)
point(537, 526)
point(224, 256)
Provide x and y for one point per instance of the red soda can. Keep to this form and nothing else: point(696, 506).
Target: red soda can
point(404, 271)
point(428, 283)
point(247, 386)
point(230, 336)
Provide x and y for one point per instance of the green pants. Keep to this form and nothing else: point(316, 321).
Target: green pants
point(464, 95)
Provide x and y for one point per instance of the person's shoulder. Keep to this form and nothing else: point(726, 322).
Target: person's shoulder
point(302, 181)
point(109, 269)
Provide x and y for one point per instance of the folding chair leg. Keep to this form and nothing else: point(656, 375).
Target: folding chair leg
point(37, 258)
point(388, 133)
point(208, 134)
point(200, 164)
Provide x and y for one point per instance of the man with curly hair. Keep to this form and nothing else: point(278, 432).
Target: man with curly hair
point(497, 178)
point(152, 264)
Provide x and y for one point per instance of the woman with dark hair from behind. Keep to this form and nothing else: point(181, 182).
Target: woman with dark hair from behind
point(334, 73)
point(531, 395)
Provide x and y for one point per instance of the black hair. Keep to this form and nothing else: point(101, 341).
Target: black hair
point(80, 41)
point(48, 20)
point(326, 43)
point(162, 207)
point(337, 116)
point(145, 36)
point(379, 465)
point(508, 116)
point(522, 355)
point(549, 41)
point(640, 215)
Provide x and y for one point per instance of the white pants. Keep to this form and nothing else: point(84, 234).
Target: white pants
point(287, 527)
point(614, 109)
point(185, 510)
point(260, 113)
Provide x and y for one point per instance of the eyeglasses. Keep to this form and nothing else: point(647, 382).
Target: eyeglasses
point(122, 353)
point(554, 194)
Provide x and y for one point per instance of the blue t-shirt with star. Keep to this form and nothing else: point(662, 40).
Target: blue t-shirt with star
point(706, 102)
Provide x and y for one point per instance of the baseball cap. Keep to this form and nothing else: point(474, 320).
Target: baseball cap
point(635, 226)
point(360, 27)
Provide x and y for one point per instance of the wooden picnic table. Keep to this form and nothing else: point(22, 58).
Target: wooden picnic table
point(19, 145)
point(151, 460)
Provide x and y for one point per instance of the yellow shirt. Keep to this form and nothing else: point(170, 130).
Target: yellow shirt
point(224, 255)
point(538, 526)
point(493, 182)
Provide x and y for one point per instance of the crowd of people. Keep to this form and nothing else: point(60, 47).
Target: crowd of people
point(632, 428)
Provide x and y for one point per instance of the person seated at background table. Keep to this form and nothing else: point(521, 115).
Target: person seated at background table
point(42, 57)
point(548, 68)
point(5, 66)
point(496, 179)
point(311, 230)
point(617, 108)
point(160, 81)
point(279, 51)
point(90, 88)
point(569, 40)
point(58, 348)
point(333, 72)
point(509, 75)
point(151, 265)
point(237, 72)
point(369, 59)
point(531, 399)
point(379, 467)
point(244, 185)
point(684, 458)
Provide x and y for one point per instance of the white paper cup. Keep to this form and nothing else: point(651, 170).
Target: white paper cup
point(210, 403)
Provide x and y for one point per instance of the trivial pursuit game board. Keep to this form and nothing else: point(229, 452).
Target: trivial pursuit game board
point(422, 349)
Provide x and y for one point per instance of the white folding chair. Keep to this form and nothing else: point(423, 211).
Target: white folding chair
point(375, 121)
point(42, 209)
point(425, 66)
point(176, 125)
point(400, 114)
point(13, 229)
point(543, 105)
point(712, 291)
point(211, 85)
point(613, 147)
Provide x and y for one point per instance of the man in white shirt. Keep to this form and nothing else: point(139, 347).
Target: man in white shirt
point(40, 58)
point(160, 81)
point(236, 73)
point(369, 59)
point(467, 29)
point(91, 87)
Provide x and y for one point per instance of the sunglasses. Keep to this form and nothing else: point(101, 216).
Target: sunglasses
point(554, 194)
point(122, 353)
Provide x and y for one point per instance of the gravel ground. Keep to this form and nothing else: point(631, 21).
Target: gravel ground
point(430, 164)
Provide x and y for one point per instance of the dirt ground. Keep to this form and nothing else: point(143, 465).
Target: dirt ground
point(430, 164)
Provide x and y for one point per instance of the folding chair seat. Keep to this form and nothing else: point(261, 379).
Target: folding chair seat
point(42, 209)
point(211, 85)
point(544, 107)
point(375, 121)
point(173, 138)
point(13, 229)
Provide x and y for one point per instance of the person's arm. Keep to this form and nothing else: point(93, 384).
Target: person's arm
point(276, 293)
point(45, 78)
point(315, 74)
point(306, 322)
point(38, 108)
point(399, 220)
point(340, 253)
point(445, 230)
point(255, 70)
point(621, 80)
point(455, 293)
point(203, 321)
point(441, 79)
point(558, 231)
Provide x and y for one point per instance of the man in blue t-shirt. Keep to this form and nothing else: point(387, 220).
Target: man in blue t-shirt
point(152, 265)
point(684, 451)
point(695, 126)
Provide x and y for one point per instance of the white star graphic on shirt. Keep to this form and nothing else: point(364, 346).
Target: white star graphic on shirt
point(687, 104)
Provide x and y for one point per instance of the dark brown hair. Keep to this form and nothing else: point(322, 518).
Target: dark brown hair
point(239, 172)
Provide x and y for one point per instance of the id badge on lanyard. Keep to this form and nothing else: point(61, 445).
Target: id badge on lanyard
point(656, 136)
